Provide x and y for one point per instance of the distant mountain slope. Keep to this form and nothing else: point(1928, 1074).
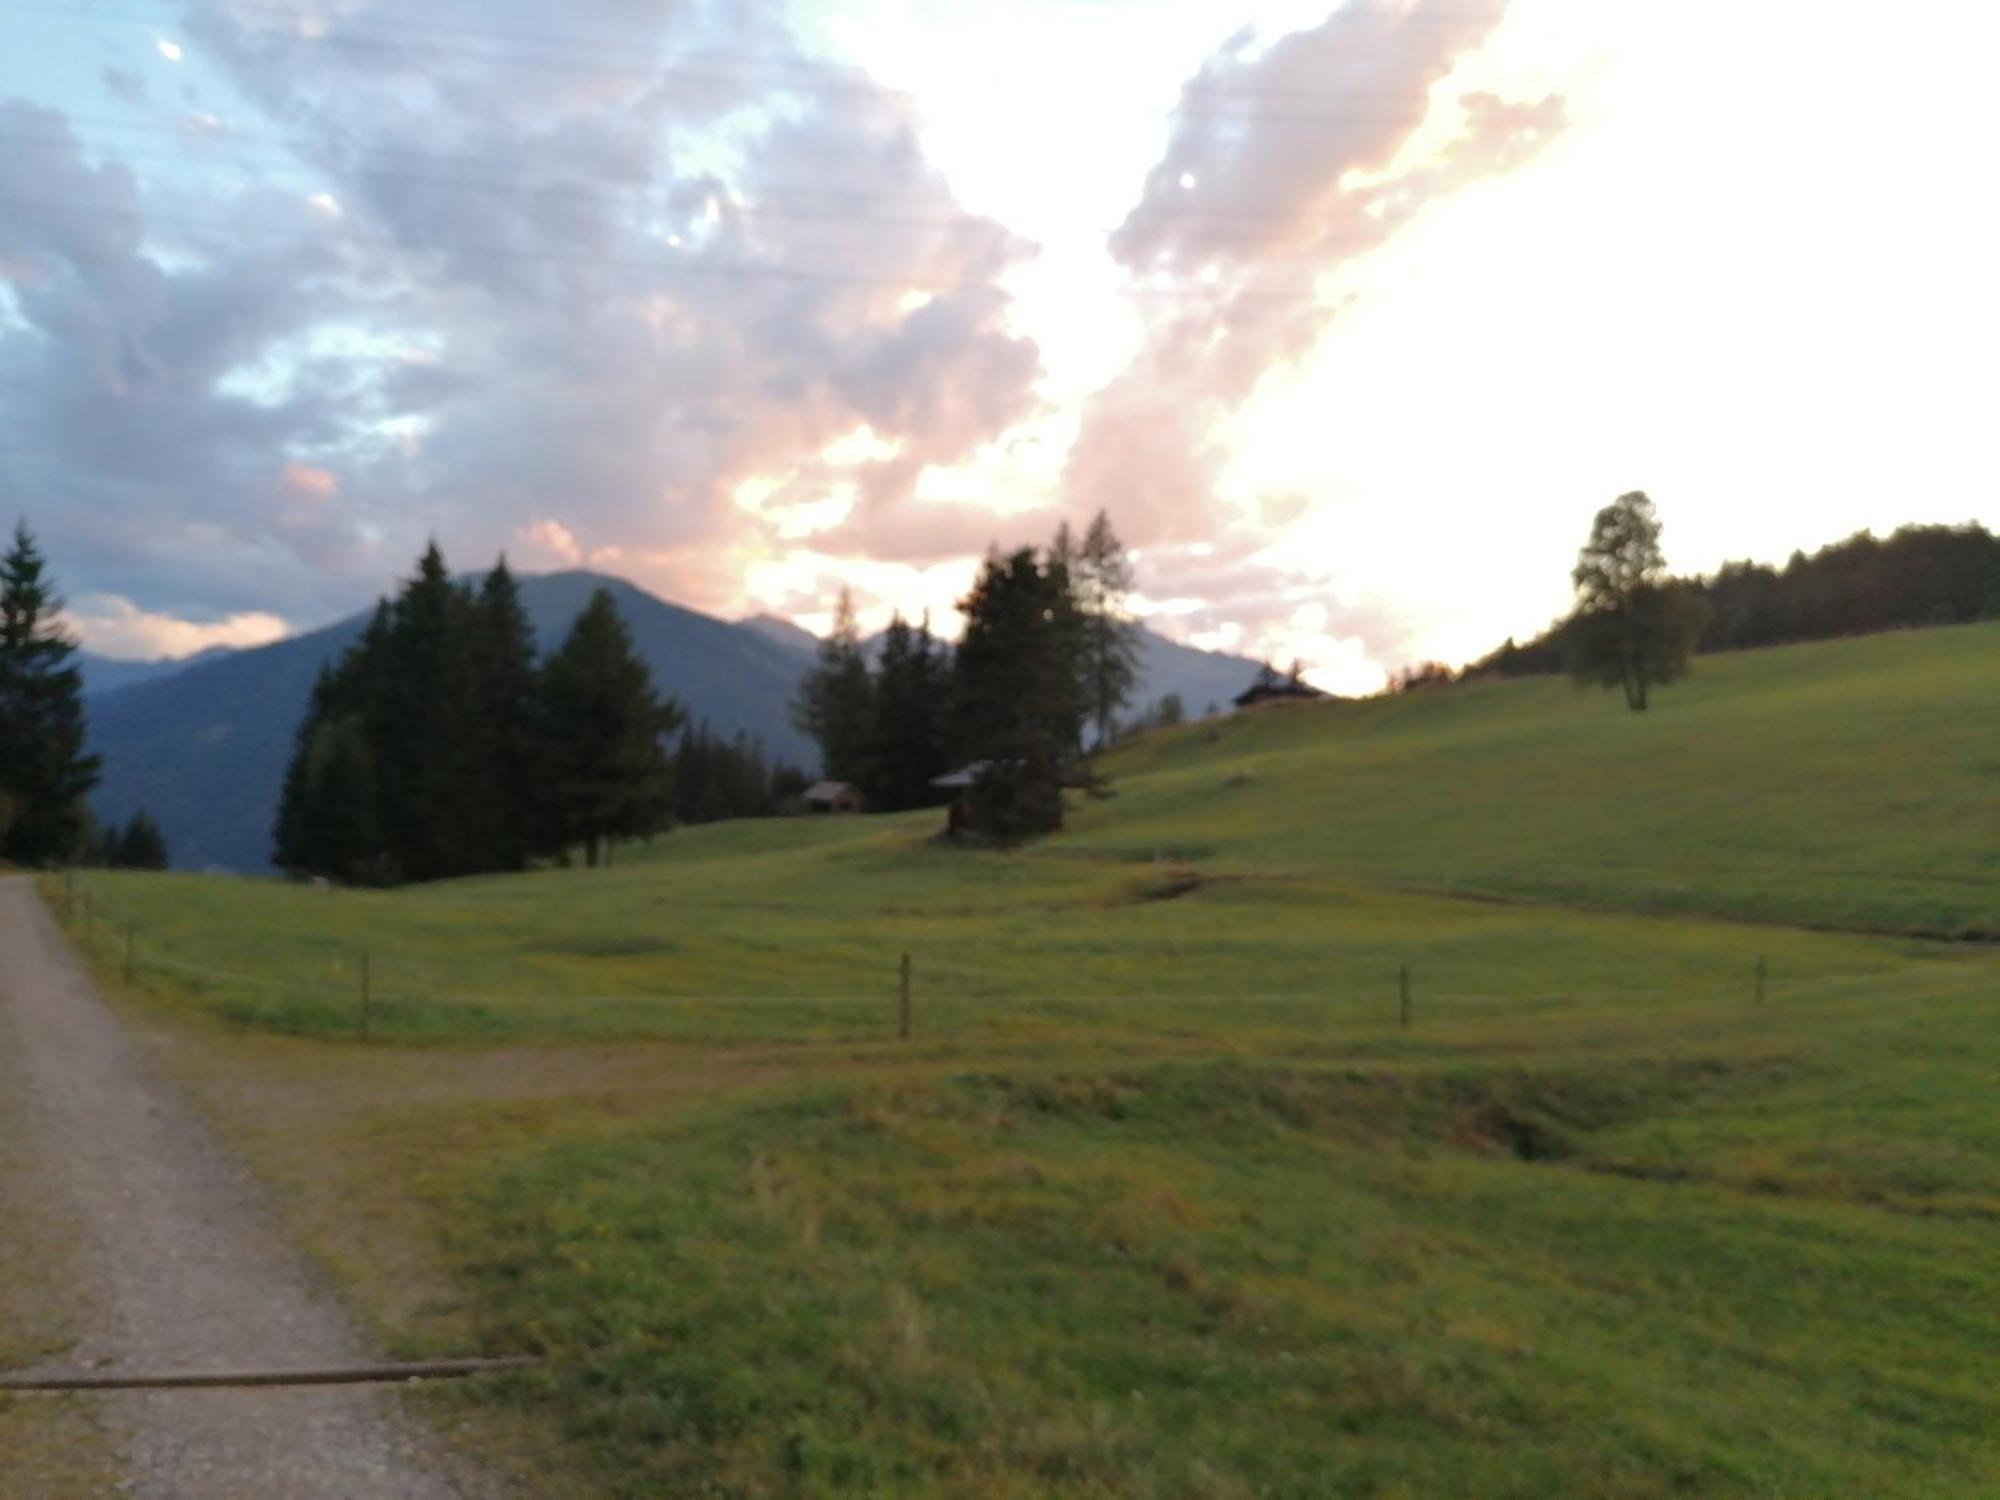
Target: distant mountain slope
point(107, 674)
point(1204, 679)
point(204, 749)
point(783, 633)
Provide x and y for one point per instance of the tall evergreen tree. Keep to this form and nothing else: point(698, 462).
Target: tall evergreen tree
point(1018, 704)
point(45, 774)
point(911, 702)
point(835, 704)
point(604, 730)
point(1108, 656)
point(141, 845)
point(504, 765)
point(423, 728)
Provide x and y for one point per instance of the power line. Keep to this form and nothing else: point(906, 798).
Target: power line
point(673, 266)
point(815, 74)
point(606, 190)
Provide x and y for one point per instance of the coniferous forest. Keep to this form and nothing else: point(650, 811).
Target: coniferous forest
point(440, 745)
point(1048, 657)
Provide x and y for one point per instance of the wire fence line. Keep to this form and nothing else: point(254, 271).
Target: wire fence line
point(952, 998)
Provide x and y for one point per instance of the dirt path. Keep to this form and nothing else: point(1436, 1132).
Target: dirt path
point(178, 1267)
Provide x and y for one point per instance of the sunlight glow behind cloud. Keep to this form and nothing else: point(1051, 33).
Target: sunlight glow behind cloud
point(1392, 308)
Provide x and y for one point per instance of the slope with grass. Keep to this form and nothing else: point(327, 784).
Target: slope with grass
point(1162, 1200)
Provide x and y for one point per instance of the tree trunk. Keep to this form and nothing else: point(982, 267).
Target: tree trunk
point(590, 851)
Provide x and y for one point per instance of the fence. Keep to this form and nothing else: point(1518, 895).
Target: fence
point(918, 996)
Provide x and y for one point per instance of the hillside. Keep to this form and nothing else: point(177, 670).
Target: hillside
point(1716, 803)
point(1844, 783)
point(1168, 1194)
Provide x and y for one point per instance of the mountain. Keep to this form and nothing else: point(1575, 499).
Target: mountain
point(106, 674)
point(204, 749)
point(203, 745)
point(1204, 679)
point(783, 633)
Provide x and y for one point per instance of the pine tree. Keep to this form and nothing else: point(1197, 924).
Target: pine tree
point(835, 702)
point(421, 734)
point(292, 848)
point(504, 761)
point(141, 846)
point(1018, 706)
point(1108, 656)
point(45, 774)
point(911, 700)
point(604, 729)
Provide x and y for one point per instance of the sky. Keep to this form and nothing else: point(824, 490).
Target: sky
point(1349, 316)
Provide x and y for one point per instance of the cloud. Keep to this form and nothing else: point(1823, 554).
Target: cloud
point(309, 483)
point(589, 287)
point(116, 627)
point(1286, 163)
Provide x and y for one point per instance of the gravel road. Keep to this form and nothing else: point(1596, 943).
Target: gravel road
point(180, 1269)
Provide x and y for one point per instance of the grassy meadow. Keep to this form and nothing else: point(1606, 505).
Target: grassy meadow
point(1161, 1199)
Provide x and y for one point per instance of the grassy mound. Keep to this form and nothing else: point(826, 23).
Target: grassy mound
point(1230, 1279)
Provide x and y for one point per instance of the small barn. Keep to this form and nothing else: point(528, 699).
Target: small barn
point(833, 797)
point(1272, 688)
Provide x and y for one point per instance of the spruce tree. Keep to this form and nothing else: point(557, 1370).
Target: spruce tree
point(911, 699)
point(141, 845)
point(835, 704)
point(604, 729)
point(45, 774)
point(1018, 705)
point(502, 768)
point(422, 729)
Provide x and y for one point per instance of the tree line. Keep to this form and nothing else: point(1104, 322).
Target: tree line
point(1045, 664)
point(439, 745)
point(1917, 576)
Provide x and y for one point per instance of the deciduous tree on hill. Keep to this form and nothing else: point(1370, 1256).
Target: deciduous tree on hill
point(1108, 638)
point(45, 774)
point(1633, 627)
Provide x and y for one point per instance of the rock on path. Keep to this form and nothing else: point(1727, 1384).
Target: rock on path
point(180, 1267)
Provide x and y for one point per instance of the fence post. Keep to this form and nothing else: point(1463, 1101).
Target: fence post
point(367, 993)
point(1760, 978)
point(69, 897)
point(131, 947)
point(1403, 985)
point(903, 1002)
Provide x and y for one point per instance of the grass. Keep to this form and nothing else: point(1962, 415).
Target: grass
point(1220, 1279)
point(1162, 1200)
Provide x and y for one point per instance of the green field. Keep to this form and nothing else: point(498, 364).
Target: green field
point(1162, 1199)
